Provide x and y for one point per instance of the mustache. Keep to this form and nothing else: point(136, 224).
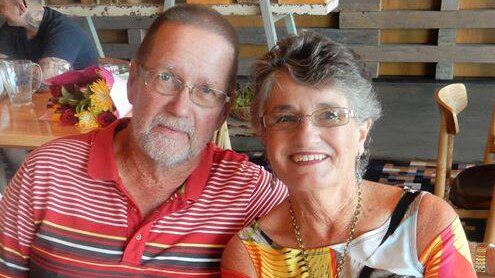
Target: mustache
point(179, 124)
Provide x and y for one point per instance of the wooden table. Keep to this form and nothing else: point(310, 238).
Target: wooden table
point(20, 126)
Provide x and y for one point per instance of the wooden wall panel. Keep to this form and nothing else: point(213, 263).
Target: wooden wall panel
point(418, 19)
point(473, 36)
point(359, 5)
point(112, 36)
point(407, 69)
point(410, 4)
point(477, 4)
point(402, 34)
point(329, 21)
point(399, 36)
point(474, 70)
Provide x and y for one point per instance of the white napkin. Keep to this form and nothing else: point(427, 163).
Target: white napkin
point(119, 96)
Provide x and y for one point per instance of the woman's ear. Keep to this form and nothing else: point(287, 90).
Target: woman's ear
point(364, 129)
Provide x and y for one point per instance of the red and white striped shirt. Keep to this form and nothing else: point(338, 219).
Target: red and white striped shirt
point(67, 213)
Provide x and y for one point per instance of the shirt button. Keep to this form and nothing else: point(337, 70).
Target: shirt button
point(138, 237)
point(133, 209)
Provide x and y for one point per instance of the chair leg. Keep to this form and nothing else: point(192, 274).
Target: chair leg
point(442, 159)
point(490, 223)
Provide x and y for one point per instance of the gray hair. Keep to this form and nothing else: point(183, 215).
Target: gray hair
point(202, 17)
point(315, 61)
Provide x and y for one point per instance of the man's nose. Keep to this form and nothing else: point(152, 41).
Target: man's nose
point(180, 104)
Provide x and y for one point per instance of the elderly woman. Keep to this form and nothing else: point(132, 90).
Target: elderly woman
point(314, 109)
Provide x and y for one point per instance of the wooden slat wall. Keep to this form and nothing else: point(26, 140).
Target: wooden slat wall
point(441, 39)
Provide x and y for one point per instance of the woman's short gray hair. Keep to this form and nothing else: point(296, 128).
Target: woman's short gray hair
point(316, 61)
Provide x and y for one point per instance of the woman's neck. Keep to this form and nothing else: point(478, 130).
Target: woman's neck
point(326, 213)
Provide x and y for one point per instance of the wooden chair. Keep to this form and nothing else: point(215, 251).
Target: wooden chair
point(221, 137)
point(471, 190)
point(490, 142)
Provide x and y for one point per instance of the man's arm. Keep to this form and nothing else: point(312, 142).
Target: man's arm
point(17, 226)
point(52, 66)
point(267, 194)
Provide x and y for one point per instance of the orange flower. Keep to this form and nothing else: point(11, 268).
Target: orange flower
point(100, 97)
point(87, 120)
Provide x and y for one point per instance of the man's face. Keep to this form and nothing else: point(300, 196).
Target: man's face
point(10, 10)
point(171, 129)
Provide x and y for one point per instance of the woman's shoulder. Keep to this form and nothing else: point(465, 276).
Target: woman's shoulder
point(432, 210)
point(434, 216)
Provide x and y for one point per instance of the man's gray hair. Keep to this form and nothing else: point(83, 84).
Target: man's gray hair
point(315, 61)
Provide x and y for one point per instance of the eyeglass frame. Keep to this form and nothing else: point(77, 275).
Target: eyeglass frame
point(348, 112)
point(182, 85)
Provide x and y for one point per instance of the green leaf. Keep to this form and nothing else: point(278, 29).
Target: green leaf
point(83, 104)
point(66, 93)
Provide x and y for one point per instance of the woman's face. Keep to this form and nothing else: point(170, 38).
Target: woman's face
point(309, 157)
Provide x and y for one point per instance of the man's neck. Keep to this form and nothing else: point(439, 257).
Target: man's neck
point(33, 18)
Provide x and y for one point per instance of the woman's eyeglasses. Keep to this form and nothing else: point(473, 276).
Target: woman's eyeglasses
point(324, 117)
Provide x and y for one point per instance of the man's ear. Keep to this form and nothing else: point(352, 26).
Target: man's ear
point(133, 75)
point(223, 115)
point(226, 110)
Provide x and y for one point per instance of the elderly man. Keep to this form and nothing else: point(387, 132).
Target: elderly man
point(147, 196)
point(45, 36)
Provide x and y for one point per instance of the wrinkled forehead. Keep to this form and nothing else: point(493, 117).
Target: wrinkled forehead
point(287, 92)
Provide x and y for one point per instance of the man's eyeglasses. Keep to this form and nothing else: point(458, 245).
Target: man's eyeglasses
point(167, 83)
point(324, 117)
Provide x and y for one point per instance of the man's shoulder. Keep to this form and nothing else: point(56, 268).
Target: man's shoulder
point(56, 21)
point(232, 158)
point(233, 166)
point(64, 147)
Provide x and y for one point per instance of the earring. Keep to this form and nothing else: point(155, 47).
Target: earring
point(361, 163)
point(357, 169)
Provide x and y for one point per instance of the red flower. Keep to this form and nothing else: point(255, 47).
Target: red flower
point(105, 118)
point(64, 107)
point(68, 117)
point(56, 91)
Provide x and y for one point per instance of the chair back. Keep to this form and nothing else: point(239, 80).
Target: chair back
point(451, 100)
point(490, 141)
point(221, 137)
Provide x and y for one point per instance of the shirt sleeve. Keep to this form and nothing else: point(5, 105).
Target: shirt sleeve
point(268, 193)
point(17, 226)
point(63, 41)
point(6, 41)
point(448, 254)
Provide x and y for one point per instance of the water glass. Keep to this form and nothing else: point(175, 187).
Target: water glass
point(21, 79)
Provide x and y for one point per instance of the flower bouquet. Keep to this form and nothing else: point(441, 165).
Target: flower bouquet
point(82, 98)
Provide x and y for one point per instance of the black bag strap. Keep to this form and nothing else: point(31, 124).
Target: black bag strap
point(400, 210)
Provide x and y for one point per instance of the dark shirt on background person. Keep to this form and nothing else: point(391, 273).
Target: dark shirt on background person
point(58, 36)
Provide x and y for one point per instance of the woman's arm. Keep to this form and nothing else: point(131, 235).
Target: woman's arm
point(236, 262)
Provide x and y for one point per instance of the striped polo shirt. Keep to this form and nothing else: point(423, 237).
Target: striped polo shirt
point(67, 214)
